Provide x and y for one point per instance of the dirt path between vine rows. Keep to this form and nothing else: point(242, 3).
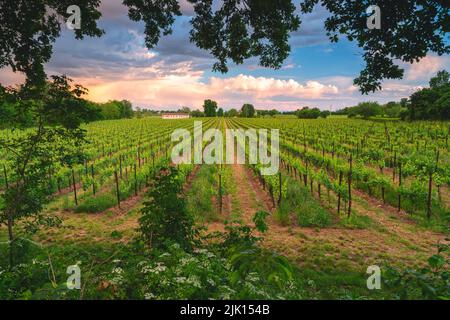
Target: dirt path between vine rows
point(392, 238)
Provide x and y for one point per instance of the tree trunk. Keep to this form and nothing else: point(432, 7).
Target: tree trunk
point(11, 239)
point(6, 177)
point(74, 188)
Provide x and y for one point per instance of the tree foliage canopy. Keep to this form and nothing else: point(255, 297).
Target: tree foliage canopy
point(308, 113)
point(238, 30)
point(55, 140)
point(165, 216)
point(442, 78)
point(28, 29)
point(247, 110)
point(410, 29)
point(210, 108)
point(431, 103)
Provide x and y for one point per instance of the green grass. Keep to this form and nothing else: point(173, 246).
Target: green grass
point(356, 221)
point(200, 194)
point(339, 285)
point(97, 204)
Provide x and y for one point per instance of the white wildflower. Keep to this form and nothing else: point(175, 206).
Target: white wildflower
point(149, 296)
point(194, 281)
point(117, 270)
point(180, 279)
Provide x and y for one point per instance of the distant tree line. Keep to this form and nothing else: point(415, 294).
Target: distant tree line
point(211, 109)
point(311, 113)
point(431, 103)
point(19, 105)
point(16, 104)
point(114, 109)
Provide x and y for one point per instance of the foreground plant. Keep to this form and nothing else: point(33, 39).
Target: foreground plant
point(54, 141)
point(165, 215)
point(430, 282)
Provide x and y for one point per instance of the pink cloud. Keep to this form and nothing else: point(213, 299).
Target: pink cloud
point(9, 78)
point(426, 68)
point(188, 90)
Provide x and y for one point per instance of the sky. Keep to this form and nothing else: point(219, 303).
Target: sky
point(176, 73)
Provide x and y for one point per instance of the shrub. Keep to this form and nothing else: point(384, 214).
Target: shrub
point(165, 215)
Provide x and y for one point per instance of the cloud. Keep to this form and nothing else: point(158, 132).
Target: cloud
point(173, 91)
point(262, 87)
point(311, 31)
point(9, 78)
point(177, 73)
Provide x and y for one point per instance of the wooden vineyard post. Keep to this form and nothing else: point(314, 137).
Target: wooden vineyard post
point(93, 179)
point(58, 184)
point(281, 187)
point(430, 186)
point(120, 166)
point(304, 139)
point(305, 175)
point(350, 186)
point(117, 188)
point(135, 181)
point(74, 188)
point(393, 166)
point(382, 187)
point(6, 177)
point(139, 156)
point(271, 195)
point(318, 190)
point(152, 154)
point(339, 193)
point(399, 205)
point(261, 180)
point(220, 192)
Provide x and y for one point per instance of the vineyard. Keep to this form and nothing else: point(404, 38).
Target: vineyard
point(348, 194)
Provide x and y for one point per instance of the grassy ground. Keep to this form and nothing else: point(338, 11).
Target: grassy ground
point(331, 252)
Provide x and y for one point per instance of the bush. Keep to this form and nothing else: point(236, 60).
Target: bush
point(165, 215)
point(97, 204)
point(431, 282)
